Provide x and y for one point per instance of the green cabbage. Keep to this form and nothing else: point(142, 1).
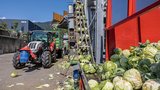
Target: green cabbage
point(123, 85)
point(158, 45)
point(100, 68)
point(155, 69)
point(108, 75)
point(109, 66)
point(116, 79)
point(95, 88)
point(81, 57)
point(68, 87)
point(150, 51)
point(101, 85)
point(88, 57)
point(151, 85)
point(124, 62)
point(119, 71)
point(82, 64)
point(84, 61)
point(133, 61)
point(157, 57)
point(89, 68)
point(126, 53)
point(117, 51)
point(143, 45)
point(144, 65)
point(92, 83)
point(150, 59)
point(108, 86)
point(134, 77)
point(115, 57)
point(117, 63)
point(69, 84)
point(136, 51)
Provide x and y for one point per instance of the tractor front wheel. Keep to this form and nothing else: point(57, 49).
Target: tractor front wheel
point(16, 62)
point(46, 59)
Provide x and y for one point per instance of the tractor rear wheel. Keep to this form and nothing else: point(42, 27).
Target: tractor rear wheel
point(16, 62)
point(46, 59)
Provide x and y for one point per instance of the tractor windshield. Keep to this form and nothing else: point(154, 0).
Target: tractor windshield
point(39, 36)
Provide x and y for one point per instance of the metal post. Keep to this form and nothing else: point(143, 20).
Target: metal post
point(99, 30)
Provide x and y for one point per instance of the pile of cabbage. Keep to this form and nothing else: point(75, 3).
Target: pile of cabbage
point(136, 68)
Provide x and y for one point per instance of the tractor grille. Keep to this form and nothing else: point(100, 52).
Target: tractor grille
point(32, 45)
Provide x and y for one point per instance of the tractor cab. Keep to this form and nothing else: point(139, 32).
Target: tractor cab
point(39, 39)
point(40, 36)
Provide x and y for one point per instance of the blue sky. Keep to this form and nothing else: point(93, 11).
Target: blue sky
point(34, 10)
point(41, 10)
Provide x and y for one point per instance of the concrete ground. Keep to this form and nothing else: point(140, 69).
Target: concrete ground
point(36, 78)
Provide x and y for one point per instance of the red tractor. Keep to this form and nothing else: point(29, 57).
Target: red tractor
point(41, 49)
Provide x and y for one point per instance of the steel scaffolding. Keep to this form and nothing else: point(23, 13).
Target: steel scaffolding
point(95, 13)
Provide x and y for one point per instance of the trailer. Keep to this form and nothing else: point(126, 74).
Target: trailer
point(58, 36)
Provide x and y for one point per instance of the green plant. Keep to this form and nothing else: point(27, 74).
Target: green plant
point(3, 26)
point(15, 25)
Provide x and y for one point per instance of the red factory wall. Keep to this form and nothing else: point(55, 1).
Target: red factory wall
point(150, 25)
point(137, 28)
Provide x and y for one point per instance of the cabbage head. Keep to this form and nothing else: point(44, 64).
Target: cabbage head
point(117, 63)
point(144, 65)
point(136, 51)
point(82, 64)
point(88, 57)
point(115, 57)
point(92, 69)
point(109, 66)
point(117, 78)
point(157, 57)
point(155, 69)
point(68, 87)
point(126, 53)
point(101, 84)
point(86, 68)
point(150, 59)
point(158, 45)
point(108, 86)
point(124, 62)
point(133, 61)
point(151, 85)
point(92, 83)
point(95, 88)
point(81, 57)
point(100, 68)
point(134, 77)
point(84, 61)
point(150, 51)
point(89, 68)
point(123, 85)
point(119, 71)
point(117, 51)
point(108, 75)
